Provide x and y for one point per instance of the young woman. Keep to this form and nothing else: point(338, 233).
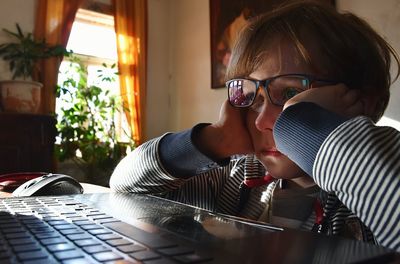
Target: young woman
point(234, 166)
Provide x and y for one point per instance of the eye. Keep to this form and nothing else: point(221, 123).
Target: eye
point(289, 92)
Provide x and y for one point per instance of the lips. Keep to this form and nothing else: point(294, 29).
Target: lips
point(270, 152)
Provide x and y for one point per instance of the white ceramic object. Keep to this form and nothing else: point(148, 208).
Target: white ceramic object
point(20, 96)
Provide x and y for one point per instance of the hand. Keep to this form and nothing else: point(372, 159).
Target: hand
point(336, 98)
point(228, 136)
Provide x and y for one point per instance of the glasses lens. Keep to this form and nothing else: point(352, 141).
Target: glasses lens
point(283, 88)
point(241, 92)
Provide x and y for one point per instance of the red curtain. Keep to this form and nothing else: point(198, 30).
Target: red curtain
point(54, 19)
point(131, 29)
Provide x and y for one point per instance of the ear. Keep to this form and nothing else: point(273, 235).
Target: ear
point(370, 104)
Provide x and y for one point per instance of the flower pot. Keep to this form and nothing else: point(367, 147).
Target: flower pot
point(20, 96)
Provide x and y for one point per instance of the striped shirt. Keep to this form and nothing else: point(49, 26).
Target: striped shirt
point(357, 161)
point(216, 188)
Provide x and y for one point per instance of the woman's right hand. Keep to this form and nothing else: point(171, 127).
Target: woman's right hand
point(228, 136)
point(335, 98)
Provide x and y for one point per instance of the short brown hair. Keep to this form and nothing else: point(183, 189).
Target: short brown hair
point(350, 49)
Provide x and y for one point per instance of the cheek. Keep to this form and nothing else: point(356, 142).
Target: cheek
point(251, 117)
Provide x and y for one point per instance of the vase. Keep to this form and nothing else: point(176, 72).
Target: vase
point(20, 96)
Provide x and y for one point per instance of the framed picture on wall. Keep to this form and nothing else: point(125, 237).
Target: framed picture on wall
point(227, 18)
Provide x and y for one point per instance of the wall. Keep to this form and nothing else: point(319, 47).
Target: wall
point(11, 12)
point(179, 91)
point(179, 82)
point(385, 18)
point(158, 92)
point(191, 100)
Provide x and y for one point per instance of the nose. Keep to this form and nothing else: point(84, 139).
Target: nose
point(267, 115)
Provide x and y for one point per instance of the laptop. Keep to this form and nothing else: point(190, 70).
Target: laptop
point(132, 228)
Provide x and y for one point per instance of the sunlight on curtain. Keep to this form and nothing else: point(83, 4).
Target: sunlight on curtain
point(131, 29)
point(54, 20)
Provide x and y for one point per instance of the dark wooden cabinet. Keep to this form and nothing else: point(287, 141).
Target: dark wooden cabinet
point(27, 142)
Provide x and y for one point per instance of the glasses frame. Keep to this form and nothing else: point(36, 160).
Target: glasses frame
point(265, 84)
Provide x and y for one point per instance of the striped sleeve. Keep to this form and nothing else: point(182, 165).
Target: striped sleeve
point(141, 171)
point(360, 162)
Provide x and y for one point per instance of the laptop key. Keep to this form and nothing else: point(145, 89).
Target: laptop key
point(5, 255)
point(39, 230)
point(95, 214)
point(87, 242)
point(71, 231)
point(60, 247)
point(17, 235)
point(27, 247)
point(174, 251)
point(118, 242)
point(40, 261)
point(83, 222)
point(64, 227)
point(107, 256)
point(14, 230)
point(131, 248)
point(76, 218)
point(21, 241)
point(79, 236)
point(68, 254)
point(96, 249)
point(145, 255)
point(51, 241)
point(36, 224)
point(5, 226)
point(106, 237)
point(3, 248)
point(90, 227)
point(52, 218)
point(57, 222)
point(99, 231)
point(108, 220)
point(102, 217)
point(39, 254)
point(47, 235)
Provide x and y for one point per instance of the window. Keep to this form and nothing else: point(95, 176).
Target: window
point(93, 35)
point(93, 41)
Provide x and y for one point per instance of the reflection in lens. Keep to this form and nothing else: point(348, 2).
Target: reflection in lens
point(241, 92)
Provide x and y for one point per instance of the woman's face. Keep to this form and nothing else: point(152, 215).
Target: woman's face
point(261, 117)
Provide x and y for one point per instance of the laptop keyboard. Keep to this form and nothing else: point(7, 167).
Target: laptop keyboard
point(62, 230)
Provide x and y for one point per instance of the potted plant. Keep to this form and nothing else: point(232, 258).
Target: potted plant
point(87, 133)
point(21, 94)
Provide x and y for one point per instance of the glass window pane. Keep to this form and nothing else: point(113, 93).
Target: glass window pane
point(93, 40)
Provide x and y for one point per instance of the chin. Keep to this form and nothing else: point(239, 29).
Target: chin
point(281, 167)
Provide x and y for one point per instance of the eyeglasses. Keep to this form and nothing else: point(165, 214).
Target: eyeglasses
point(242, 92)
